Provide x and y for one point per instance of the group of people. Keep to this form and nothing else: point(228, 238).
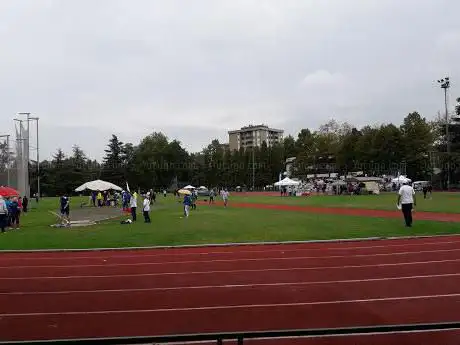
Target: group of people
point(10, 211)
point(189, 200)
point(130, 202)
point(104, 198)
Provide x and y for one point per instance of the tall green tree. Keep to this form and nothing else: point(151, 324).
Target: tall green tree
point(347, 154)
point(113, 167)
point(418, 141)
point(289, 145)
point(77, 166)
point(306, 153)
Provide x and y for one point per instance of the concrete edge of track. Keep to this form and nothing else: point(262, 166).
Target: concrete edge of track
point(230, 244)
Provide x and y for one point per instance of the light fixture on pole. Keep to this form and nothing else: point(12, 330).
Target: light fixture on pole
point(445, 85)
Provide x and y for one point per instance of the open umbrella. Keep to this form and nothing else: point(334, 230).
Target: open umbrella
point(8, 192)
point(184, 191)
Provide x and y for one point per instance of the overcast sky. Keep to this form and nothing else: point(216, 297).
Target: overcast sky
point(195, 69)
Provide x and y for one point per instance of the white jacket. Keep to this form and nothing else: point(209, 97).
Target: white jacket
point(3, 208)
point(146, 205)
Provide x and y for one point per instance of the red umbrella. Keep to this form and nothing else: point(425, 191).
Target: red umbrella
point(8, 192)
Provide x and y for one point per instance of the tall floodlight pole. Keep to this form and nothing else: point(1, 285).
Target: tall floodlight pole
point(20, 156)
point(8, 159)
point(253, 160)
point(445, 84)
point(38, 157)
point(30, 118)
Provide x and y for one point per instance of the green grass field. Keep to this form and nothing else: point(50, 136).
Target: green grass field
point(441, 202)
point(216, 224)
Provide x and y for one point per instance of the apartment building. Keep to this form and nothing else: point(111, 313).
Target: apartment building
point(250, 136)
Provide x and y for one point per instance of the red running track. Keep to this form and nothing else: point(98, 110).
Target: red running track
point(51, 295)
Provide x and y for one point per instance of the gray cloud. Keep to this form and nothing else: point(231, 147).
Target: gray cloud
point(195, 69)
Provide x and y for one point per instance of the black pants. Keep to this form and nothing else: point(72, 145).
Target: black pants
point(147, 216)
point(424, 194)
point(407, 212)
point(133, 213)
point(3, 221)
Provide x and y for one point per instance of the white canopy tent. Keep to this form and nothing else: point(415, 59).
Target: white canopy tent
point(286, 182)
point(189, 187)
point(98, 185)
point(401, 179)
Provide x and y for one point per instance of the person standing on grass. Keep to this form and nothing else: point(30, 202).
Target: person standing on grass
point(193, 198)
point(99, 199)
point(8, 207)
point(25, 204)
point(19, 200)
point(407, 200)
point(93, 198)
point(225, 195)
point(211, 196)
point(146, 208)
point(65, 208)
point(133, 205)
point(3, 214)
point(424, 190)
point(14, 213)
point(187, 203)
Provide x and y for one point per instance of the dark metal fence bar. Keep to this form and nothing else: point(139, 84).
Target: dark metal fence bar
point(241, 336)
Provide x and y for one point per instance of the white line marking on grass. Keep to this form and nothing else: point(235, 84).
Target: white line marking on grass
point(157, 255)
point(230, 286)
point(224, 307)
point(282, 258)
point(228, 271)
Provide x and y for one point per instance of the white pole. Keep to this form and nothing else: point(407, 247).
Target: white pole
point(8, 159)
point(38, 163)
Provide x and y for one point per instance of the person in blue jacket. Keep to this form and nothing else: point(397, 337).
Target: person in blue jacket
point(187, 203)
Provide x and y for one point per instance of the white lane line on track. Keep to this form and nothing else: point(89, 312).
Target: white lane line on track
point(140, 254)
point(283, 258)
point(230, 271)
point(245, 306)
point(353, 335)
point(231, 286)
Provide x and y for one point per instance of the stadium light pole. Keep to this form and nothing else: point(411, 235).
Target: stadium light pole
point(38, 156)
point(445, 85)
point(253, 168)
point(30, 118)
point(19, 142)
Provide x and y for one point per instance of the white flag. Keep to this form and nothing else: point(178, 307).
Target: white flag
point(127, 187)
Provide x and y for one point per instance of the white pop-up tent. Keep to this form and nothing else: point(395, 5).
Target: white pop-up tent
point(286, 182)
point(189, 187)
point(97, 185)
point(401, 179)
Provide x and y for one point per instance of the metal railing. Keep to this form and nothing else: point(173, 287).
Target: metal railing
point(239, 337)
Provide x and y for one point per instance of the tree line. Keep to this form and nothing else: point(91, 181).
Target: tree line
point(416, 147)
